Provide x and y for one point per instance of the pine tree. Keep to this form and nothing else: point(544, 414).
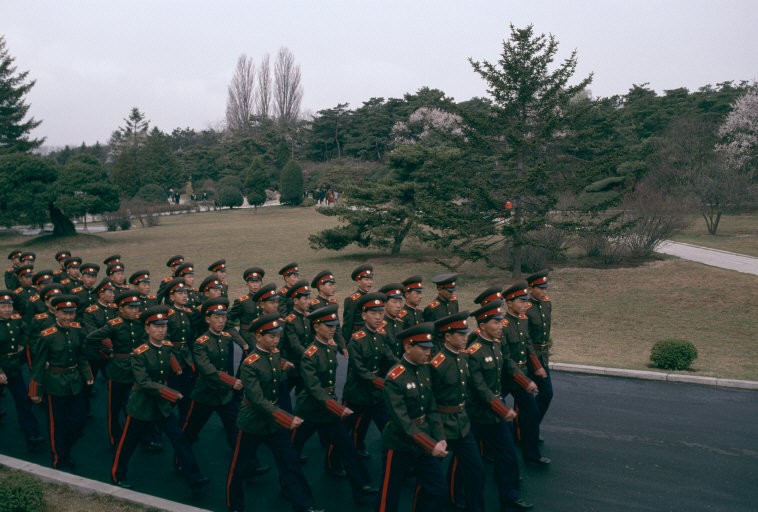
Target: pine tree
point(14, 131)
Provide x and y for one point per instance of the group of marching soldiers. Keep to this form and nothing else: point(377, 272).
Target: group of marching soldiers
point(432, 386)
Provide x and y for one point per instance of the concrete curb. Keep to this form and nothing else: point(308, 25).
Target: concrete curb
point(87, 486)
point(651, 375)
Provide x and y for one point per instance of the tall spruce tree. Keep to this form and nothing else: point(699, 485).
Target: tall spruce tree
point(14, 130)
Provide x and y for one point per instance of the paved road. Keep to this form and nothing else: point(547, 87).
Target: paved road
point(712, 257)
point(616, 444)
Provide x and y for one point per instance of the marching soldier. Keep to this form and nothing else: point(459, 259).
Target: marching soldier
point(413, 291)
point(115, 272)
point(61, 371)
point(490, 294)
point(363, 275)
point(490, 417)
point(326, 285)
point(34, 304)
point(141, 282)
point(262, 420)
point(60, 257)
point(218, 270)
point(27, 258)
point(291, 274)
point(25, 290)
point(297, 336)
point(172, 263)
point(42, 320)
point(446, 303)
point(86, 292)
point(11, 279)
point(72, 278)
point(370, 358)
point(450, 381)
point(11, 346)
point(213, 388)
point(393, 316)
point(186, 271)
point(113, 258)
point(539, 316)
point(244, 310)
point(414, 437)
point(180, 332)
point(516, 339)
point(96, 316)
point(116, 340)
point(152, 401)
point(318, 406)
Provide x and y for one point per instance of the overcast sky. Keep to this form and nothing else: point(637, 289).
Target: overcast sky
point(95, 60)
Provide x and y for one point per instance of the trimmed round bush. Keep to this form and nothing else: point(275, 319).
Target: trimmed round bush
point(673, 354)
point(20, 492)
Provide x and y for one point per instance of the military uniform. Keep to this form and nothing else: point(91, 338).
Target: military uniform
point(285, 304)
point(181, 334)
point(413, 431)
point(11, 279)
point(69, 281)
point(261, 420)
point(351, 315)
point(297, 335)
point(11, 346)
point(441, 307)
point(152, 404)
point(172, 263)
point(243, 311)
point(318, 406)
point(539, 316)
point(60, 371)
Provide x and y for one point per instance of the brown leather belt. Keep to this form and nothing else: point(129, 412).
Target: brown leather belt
point(450, 409)
point(540, 345)
point(420, 420)
point(121, 356)
point(60, 370)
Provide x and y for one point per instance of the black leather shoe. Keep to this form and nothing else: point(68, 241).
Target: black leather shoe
point(34, 441)
point(519, 504)
point(337, 473)
point(368, 490)
point(260, 470)
point(363, 454)
point(314, 509)
point(124, 484)
point(198, 485)
point(542, 461)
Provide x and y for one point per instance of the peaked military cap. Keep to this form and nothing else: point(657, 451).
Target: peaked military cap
point(114, 267)
point(129, 298)
point(419, 334)
point(517, 290)
point(253, 274)
point(50, 290)
point(413, 283)
point(210, 282)
point(155, 315)
point(72, 262)
point(217, 306)
point(488, 295)
point(216, 266)
point(323, 277)
point(289, 268)
point(62, 255)
point(14, 254)
point(24, 270)
point(326, 315)
point(42, 277)
point(267, 324)
point(392, 290)
point(175, 260)
point(7, 297)
point(27, 256)
point(67, 303)
point(491, 310)
point(91, 269)
point(371, 301)
point(538, 279)
point(114, 258)
point(446, 281)
point(267, 292)
point(140, 276)
point(177, 284)
point(363, 271)
point(184, 269)
point(103, 285)
point(299, 289)
point(453, 323)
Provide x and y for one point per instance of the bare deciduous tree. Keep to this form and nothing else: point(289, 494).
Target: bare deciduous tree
point(263, 103)
point(240, 102)
point(288, 93)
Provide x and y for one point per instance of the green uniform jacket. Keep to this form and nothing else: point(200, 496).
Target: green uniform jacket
point(213, 385)
point(489, 368)
point(151, 399)
point(70, 283)
point(450, 377)
point(317, 402)
point(297, 336)
point(97, 315)
point(414, 424)
point(519, 346)
point(261, 375)
point(440, 308)
point(394, 326)
point(38, 323)
point(60, 367)
point(181, 333)
point(11, 344)
point(411, 316)
point(285, 302)
point(369, 357)
point(351, 315)
point(244, 310)
point(118, 337)
point(321, 302)
point(539, 316)
point(87, 297)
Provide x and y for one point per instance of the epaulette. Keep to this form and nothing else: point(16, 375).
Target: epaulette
point(522, 316)
point(115, 321)
point(396, 372)
point(382, 325)
point(92, 308)
point(202, 339)
point(49, 331)
point(332, 300)
point(34, 298)
point(58, 272)
point(65, 281)
point(171, 312)
point(244, 298)
point(359, 334)
point(283, 291)
point(16, 316)
point(453, 297)
point(113, 305)
point(167, 279)
point(473, 348)
point(505, 322)
point(40, 316)
point(167, 344)
point(402, 313)
point(437, 360)
point(274, 350)
point(546, 299)
point(290, 317)
point(18, 290)
point(382, 330)
point(152, 297)
point(311, 350)
point(226, 334)
point(332, 344)
point(76, 325)
point(141, 349)
point(77, 289)
point(434, 304)
point(252, 358)
point(355, 296)
point(529, 305)
point(314, 302)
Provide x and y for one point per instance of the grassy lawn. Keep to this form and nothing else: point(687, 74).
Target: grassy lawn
point(607, 317)
point(736, 233)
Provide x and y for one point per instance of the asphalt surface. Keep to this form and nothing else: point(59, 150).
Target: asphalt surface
point(712, 257)
point(617, 444)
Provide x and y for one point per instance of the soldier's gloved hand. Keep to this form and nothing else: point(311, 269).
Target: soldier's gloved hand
point(440, 449)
